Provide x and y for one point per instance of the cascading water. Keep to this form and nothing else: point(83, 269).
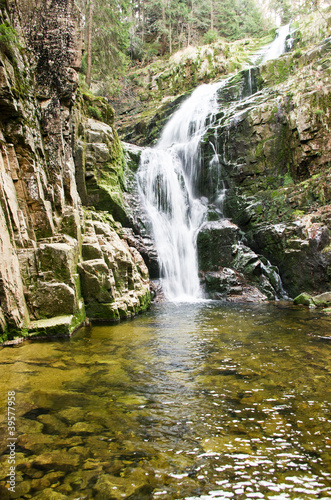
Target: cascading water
point(166, 180)
point(275, 49)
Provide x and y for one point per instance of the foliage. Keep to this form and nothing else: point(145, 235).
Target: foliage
point(8, 39)
point(94, 113)
point(110, 41)
point(125, 31)
point(210, 37)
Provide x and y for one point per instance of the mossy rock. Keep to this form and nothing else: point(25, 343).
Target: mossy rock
point(61, 326)
point(215, 244)
point(304, 299)
point(322, 300)
point(102, 312)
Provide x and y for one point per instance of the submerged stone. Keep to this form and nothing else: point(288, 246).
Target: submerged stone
point(49, 494)
point(111, 487)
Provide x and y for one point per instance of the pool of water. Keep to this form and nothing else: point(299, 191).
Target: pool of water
point(190, 401)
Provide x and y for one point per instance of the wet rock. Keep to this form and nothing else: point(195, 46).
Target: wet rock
point(116, 285)
point(112, 487)
point(35, 442)
point(220, 282)
point(322, 300)
point(86, 428)
point(304, 299)
point(60, 460)
point(40, 484)
point(5, 494)
point(246, 293)
point(60, 326)
point(230, 269)
point(52, 425)
point(147, 250)
point(21, 489)
point(54, 299)
point(214, 244)
point(72, 415)
point(81, 479)
point(296, 249)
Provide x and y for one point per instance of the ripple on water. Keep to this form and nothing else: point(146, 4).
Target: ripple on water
point(185, 402)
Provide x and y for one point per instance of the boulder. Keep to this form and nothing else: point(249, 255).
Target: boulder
point(322, 300)
point(215, 244)
point(304, 299)
point(53, 299)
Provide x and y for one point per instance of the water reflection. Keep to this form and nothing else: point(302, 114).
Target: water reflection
point(187, 401)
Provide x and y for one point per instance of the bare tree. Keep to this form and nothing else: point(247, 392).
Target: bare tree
point(89, 44)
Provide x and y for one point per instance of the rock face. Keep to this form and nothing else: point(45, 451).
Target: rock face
point(232, 271)
point(53, 159)
point(274, 153)
point(114, 277)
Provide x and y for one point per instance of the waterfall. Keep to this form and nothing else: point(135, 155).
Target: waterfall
point(166, 181)
point(274, 49)
point(278, 46)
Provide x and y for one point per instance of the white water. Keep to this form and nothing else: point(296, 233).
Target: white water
point(277, 47)
point(166, 178)
point(274, 49)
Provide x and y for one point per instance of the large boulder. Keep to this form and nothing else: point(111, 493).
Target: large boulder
point(299, 250)
point(231, 270)
point(215, 244)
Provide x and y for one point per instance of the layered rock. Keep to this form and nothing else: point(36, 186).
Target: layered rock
point(274, 152)
point(232, 271)
point(44, 133)
point(114, 277)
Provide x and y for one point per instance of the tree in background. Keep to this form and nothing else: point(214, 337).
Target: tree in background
point(120, 31)
point(106, 34)
point(284, 9)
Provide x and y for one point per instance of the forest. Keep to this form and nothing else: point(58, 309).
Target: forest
point(121, 34)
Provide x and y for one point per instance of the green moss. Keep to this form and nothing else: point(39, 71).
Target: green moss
point(12, 333)
point(145, 301)
point(94, 112)
point(304, 299)
point(104, 312)
point(60, 326)
point(8, 39)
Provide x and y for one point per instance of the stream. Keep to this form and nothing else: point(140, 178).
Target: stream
point(188, 401)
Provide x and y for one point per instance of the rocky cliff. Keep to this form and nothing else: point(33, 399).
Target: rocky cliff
point(61, 180)
point(270, 147)
point(274, 150)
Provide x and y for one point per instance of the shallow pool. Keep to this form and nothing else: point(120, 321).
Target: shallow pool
point(188, 401)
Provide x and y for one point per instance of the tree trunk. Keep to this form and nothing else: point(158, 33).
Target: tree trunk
point(211, 15)
point(89, 44)
point(143, 21)
point(164, 22)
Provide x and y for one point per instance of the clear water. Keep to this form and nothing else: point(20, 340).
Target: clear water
point(167, 179)
point(189, 401)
